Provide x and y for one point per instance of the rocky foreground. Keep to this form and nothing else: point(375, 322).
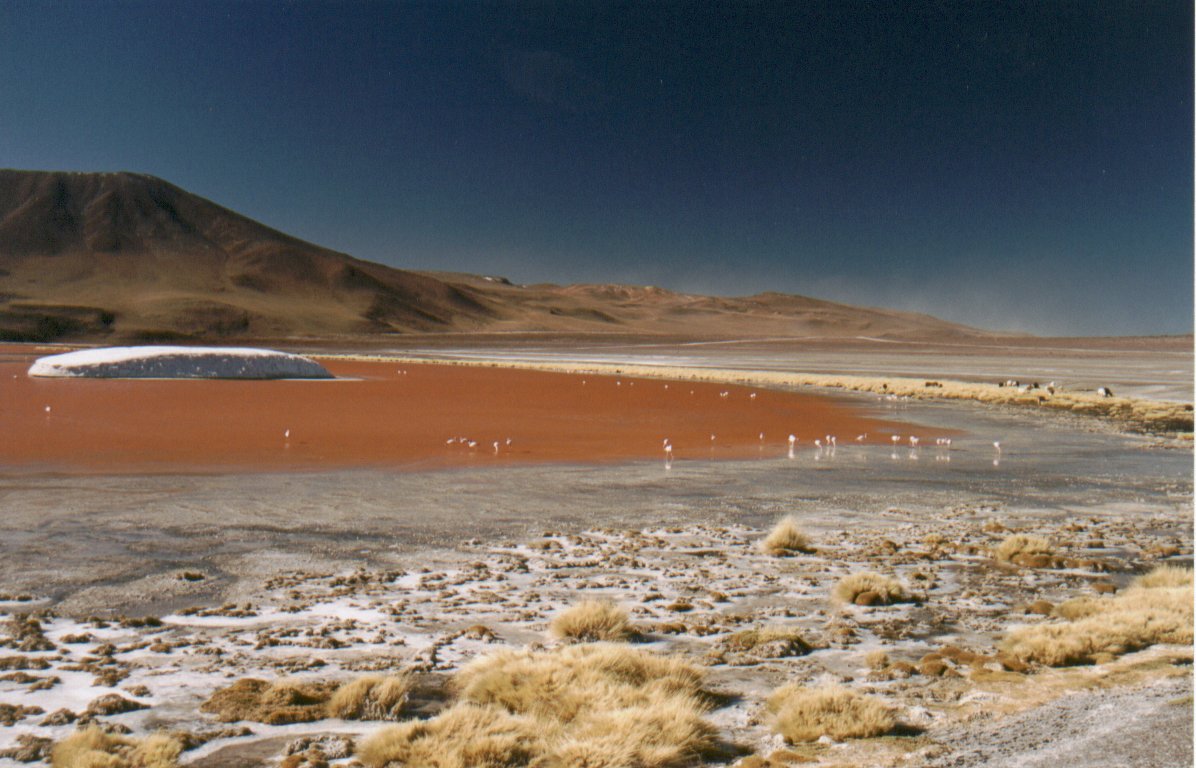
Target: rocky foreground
point(960, 633)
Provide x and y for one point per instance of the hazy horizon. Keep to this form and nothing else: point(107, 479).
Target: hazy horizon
point(1012, 167)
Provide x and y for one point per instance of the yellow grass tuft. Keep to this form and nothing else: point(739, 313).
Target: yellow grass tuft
point(592, 620)
point(276, 703)
point(465, 736)
point(156, 751)
point(1165, 576)
point(575, 679)
point(786, 538)
point(1021, 544)
point(774, 642)
point(807, 714)
point(373, 697)
point(602, 705)
point(92, 748)
point(1157, 608)
point(869, 588)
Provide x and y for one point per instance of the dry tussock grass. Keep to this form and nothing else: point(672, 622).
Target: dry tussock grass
point(774, 642)
point(1157, 608)
point(92, 748)
point(277, 703)
point(807, 714)
point(869, 588)
point(592, 621)
point(1165, 576)
point(601, 706)
point(786, 538)
point(1020, 544)
point(373, 697)
point(465, 736)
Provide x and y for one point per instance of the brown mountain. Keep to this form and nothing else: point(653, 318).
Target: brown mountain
point(119, 256)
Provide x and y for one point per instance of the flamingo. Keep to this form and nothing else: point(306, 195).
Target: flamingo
point(913, 442)
point(896, 439)
point(286, 434)
point(861, 438)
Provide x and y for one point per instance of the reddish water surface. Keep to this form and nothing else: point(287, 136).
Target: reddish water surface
point(399, 416)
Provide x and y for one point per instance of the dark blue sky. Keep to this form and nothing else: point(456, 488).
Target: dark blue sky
point(1011, 165)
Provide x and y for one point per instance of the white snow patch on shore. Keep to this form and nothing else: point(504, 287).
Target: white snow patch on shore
point(165, 362)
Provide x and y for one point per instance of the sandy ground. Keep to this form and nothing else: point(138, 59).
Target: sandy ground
point(326, 575)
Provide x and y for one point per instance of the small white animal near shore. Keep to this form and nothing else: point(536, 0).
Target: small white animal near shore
point(173, 362)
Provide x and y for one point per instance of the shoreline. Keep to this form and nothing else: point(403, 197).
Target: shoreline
point(1156, 416)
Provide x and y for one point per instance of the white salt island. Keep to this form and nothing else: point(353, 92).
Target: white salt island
point(162, 362)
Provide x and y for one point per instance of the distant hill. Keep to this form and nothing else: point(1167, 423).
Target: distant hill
point(120, 257)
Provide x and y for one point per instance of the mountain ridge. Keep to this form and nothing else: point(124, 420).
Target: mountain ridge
point(123, 256)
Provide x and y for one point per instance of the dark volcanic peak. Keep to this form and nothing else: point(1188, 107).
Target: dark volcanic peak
point(163, 263)
point(123, 256)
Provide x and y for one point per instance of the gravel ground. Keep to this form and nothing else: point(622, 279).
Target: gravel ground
point(1144, 727)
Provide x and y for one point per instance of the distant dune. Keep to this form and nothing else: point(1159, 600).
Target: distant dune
point(125, 257)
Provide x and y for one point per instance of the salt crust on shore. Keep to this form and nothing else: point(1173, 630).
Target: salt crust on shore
point(162, 362)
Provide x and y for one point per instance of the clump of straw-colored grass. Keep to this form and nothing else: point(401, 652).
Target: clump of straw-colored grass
point(1020, 544)
point(1165, 576)
point(373, 697)
point(592, 621)
point(464, 735)
point(869, 588)
point(772, 642)
point(604, 705)
point(92, 748)
point(274, 703)
point(786, 538)
point(1157, 608)
point(807, 714)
